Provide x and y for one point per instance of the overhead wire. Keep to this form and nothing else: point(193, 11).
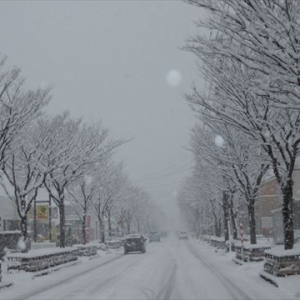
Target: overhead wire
point(164, 170)
point(162, 185)
point(164, 175)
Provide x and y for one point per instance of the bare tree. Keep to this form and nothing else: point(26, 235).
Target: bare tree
point(240, 161)
point(82, 193)
point(23, 173)
point(18, 107)
point(19, 152)
point(127, 206)
point(193, 206)
point(109, 179)
point(263, 36)
point(250, 62)
point(81, 146)
point(142, 216)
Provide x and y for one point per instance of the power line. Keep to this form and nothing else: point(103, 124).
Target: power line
point(164, 169)
point(164, 175)
point(163, 185)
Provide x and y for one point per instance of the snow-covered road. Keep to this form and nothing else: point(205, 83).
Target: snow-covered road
point(172, 269)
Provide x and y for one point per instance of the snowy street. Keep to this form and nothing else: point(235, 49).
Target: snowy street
point(172, 269)
point(167, 127)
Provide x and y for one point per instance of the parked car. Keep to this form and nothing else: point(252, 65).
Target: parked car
point(154, 236)
point(183, 235)
point(114, 244)
point(135, 242)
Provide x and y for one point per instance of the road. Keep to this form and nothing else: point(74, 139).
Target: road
point(172, 269)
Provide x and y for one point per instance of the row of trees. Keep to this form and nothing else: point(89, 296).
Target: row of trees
point(107, 192)
point(65, 156)
point(248, 55)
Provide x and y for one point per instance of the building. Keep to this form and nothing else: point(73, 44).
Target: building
point(268, 208)
point(268, 200)
point(9, 218)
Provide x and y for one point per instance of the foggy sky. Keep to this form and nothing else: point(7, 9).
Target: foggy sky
point(109, 60)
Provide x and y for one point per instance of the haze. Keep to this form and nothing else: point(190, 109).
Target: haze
point(116, 61)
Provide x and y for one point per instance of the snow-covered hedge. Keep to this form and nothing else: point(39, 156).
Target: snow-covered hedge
point(280, 262)
point(41, 259)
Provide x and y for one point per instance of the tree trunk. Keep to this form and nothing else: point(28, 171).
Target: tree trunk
point(101, 229)
point(233, 220)
point(198, 224)
point(138, 225)
point(109, 224)
point(287, 212)
point(62, 224)
point(218, 225)
point(34, 222)
point(24, 226)
point(226, 215)
point(128, 227)
point(252, 222)
point(83, 229)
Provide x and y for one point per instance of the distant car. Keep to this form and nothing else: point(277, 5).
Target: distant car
point(154, 236)
point(164, 234)
point(135, 243)
point(183, 235)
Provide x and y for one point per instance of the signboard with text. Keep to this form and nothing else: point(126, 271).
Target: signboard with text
point(42, 212)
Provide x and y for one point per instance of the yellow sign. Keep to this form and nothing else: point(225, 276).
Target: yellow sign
point(42, 211)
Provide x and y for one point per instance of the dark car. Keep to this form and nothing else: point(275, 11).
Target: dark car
point(154, 236)
point(134, 243)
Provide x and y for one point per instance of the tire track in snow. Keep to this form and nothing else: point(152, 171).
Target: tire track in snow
point(103, 286)
point(166, 292)
point(148, 293)
point(32, 294)
point(232, 288)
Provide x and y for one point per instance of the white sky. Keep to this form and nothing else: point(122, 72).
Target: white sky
point(109, 61)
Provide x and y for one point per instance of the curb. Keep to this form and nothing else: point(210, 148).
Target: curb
point(238, 261)
point(94, 256)
point(268, 277)
point(5, 284)
point(50, 270)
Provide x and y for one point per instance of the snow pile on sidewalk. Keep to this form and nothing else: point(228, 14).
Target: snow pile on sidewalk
point(288, 287)
point(16, 276)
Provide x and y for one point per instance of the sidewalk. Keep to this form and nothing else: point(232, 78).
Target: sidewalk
point(20, 283)
point(250, 273)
